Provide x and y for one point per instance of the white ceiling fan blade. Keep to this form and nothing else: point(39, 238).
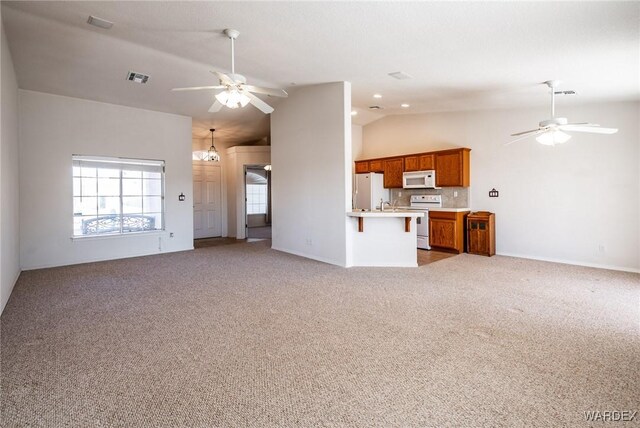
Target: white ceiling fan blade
point(272, 92)
point(258, 103)
point(215, 107)
point(525, 132)
point(525, 135)
point(198, 88)
point(224, 79)
point(594, 129)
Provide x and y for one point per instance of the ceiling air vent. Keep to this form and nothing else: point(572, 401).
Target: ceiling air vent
point(400, 75)
point(137, 77)
point(375, 108)
point(99, 22)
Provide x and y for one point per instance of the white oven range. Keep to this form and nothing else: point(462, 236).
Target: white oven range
point(423, 203)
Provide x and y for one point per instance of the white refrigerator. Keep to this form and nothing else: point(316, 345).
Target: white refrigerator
point(368, 189)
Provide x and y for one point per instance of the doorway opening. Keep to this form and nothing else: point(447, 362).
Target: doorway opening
point(257, 182)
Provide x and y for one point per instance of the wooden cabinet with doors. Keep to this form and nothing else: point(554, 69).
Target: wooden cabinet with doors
point(452, 168)
point(393, 169)
point(420, 162)
point(362, 167)
point(481, 233)
point(376, 165)
point(446, 230)
point(427, 162)
point(412, 163)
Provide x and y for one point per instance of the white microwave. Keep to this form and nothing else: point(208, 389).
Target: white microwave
point(419, 180)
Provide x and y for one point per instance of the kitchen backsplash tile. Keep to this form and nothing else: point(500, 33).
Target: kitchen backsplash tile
point(448, 200)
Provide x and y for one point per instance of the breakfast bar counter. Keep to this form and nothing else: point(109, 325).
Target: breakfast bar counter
point(406, 215)
point(384, 238)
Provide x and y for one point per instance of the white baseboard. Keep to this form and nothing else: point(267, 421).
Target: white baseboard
point(101, 259)
point(308, 256)
point(572, 262)
point(13, 284)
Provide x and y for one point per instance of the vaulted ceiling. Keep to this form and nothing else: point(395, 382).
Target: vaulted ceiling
point(460, 55)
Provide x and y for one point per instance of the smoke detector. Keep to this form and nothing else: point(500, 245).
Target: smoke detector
point(137, 77)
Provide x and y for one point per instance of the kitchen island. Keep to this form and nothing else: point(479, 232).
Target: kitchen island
point(384, 238)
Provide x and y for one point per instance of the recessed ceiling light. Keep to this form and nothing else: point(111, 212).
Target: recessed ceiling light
point(354, 113)
point(99, 22)
point(377, 96)
point(400, 75)
point(404, 105)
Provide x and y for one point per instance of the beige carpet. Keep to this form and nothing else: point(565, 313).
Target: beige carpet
point(241, 335)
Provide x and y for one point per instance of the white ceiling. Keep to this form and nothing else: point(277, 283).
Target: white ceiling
point(462, 55)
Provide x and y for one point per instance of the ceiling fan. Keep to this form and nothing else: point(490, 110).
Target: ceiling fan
point(550, 131)
point(236, 93)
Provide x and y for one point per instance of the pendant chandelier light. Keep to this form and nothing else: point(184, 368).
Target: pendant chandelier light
point(212, 153)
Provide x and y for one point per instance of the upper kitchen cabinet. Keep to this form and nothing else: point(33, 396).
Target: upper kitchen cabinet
point(393, 169)
point(412, 163)
point(452, 168)
point(427, 162)
point(376, 165)
point(419, 162)
point(362, 167)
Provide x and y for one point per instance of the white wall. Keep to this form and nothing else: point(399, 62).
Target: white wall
point(9, 198)
point(577, 203)
point(311, 177)
point(52, 129)
point(356, 143)
point(237, 158)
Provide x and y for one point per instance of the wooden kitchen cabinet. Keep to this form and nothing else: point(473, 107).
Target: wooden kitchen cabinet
point(427, 162)
point(393, 169)
point(362, 167)
point(412, 163)
point(419, 162)
point(446, 230)
point(376, 165)
point(452, 168)
point(481, 233)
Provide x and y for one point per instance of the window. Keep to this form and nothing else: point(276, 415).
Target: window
point(113, 196)
point(256, 198)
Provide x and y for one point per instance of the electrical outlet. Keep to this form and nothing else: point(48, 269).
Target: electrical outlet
point(455, 194)
point(170, 234)
point(399, 194)
point(309, 242)
point(601, 248)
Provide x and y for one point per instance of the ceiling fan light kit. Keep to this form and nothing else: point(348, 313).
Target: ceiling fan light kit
point(235, 91)
point(552, 138)
point(233, 98)
point(550, 131)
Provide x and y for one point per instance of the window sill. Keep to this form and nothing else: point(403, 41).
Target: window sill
point(117, 235)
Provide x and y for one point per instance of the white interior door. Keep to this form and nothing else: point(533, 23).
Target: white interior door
point(207, 201)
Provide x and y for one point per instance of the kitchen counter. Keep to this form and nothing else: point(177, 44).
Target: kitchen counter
point(451, 210)
point(384, 238)
point(386, 213)
point(391, 213)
